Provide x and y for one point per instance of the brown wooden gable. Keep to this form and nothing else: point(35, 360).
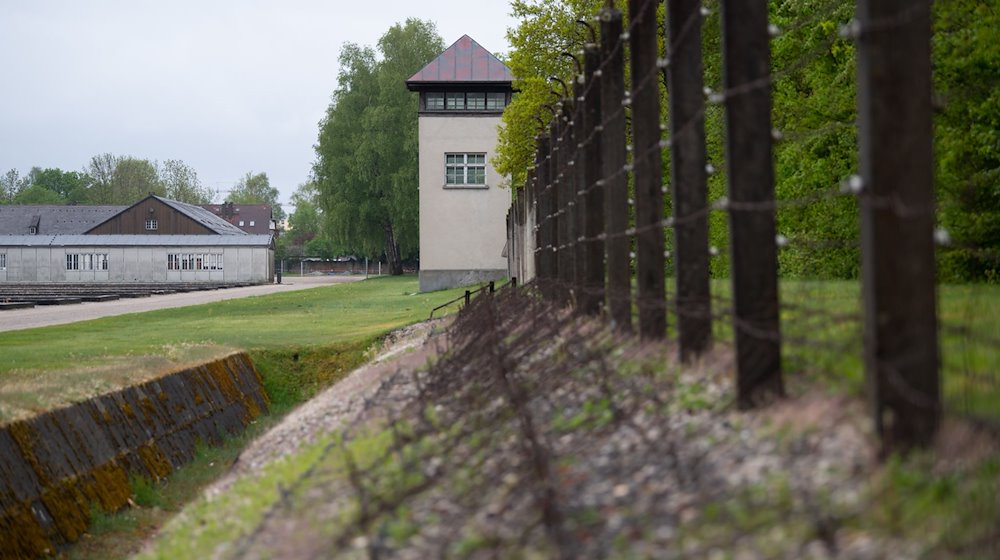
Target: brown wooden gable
point(132, 221)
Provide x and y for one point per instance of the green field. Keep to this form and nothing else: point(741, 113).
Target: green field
point(822, 333)
point(44, 367)
point(821, 325)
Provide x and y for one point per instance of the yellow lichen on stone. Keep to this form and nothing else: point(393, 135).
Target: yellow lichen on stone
point(156, 462)
point(23, 435)
point(111, 486)
point(69, 509)
point(148, 410)
point(227, 382)
point(69, 500)
point(224, 379)
point(20, 534)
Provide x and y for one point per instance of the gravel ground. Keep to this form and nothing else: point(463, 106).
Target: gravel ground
point(43, 316)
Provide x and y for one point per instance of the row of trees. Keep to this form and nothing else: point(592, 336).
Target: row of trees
point(365, 173)
point(814, 107)
point(111, 179)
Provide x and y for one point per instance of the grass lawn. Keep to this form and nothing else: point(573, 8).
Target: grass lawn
point(823, 333)
point(45, 367)
point(300, 341)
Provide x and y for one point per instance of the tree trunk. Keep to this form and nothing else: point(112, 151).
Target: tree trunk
point(392, 251)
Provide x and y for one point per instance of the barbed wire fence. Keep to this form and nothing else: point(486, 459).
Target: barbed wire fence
point(525, 436)
point(589, 225)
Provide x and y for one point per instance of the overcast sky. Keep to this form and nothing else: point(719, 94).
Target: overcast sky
point(226, 86)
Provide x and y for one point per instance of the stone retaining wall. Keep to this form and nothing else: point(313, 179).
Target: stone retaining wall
point(56, 466)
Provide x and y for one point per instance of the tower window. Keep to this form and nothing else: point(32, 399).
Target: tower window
point(496, 101)
point(434, 101)
point(464, 101)
point(465, 169)
point(475, 101)
point(456, 101)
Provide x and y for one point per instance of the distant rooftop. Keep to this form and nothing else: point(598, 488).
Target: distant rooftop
point(251, 218)
point(466, 61)
point(207, 240)
point(33, 219)
point(202, 216)
point(17, 219)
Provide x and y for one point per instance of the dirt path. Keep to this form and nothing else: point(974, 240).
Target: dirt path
point(43, 316)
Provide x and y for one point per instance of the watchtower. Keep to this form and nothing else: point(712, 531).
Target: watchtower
point(463, 208)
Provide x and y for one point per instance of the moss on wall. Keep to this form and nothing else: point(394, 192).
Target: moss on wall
point(57, 466)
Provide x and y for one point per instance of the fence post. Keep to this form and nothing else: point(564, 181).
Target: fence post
point(688, 186)
point(530, 240)
point(515, 250)
point(612, 170)
point(566, 192)
point(579, 205)
point(752, 231)
point(897, 220)
point(552, 220)
point(648, 174)
point(511, 245)
point(543, 232)
point(593, 222)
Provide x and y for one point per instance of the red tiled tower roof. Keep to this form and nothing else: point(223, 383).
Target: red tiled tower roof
point(466, 61)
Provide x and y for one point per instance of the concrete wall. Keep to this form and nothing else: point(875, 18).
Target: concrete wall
point(55, 466)
point(521, 241)
point(462, 230)
point(136, 264)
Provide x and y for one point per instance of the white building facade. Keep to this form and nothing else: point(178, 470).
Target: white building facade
point(136, 258)
point(153, 240)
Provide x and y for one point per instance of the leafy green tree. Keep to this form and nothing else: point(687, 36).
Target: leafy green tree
point(967, 85)
point(354, 219)
point(255, 188)
point(37, 194)
point(101, 169)
point(181, 183)
point(69, 186)
point(366, 166)
point(547, 28)
point(134, 179)
point(121, 179)
point(11, 183)
point(392, 124)
point(814, 107)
